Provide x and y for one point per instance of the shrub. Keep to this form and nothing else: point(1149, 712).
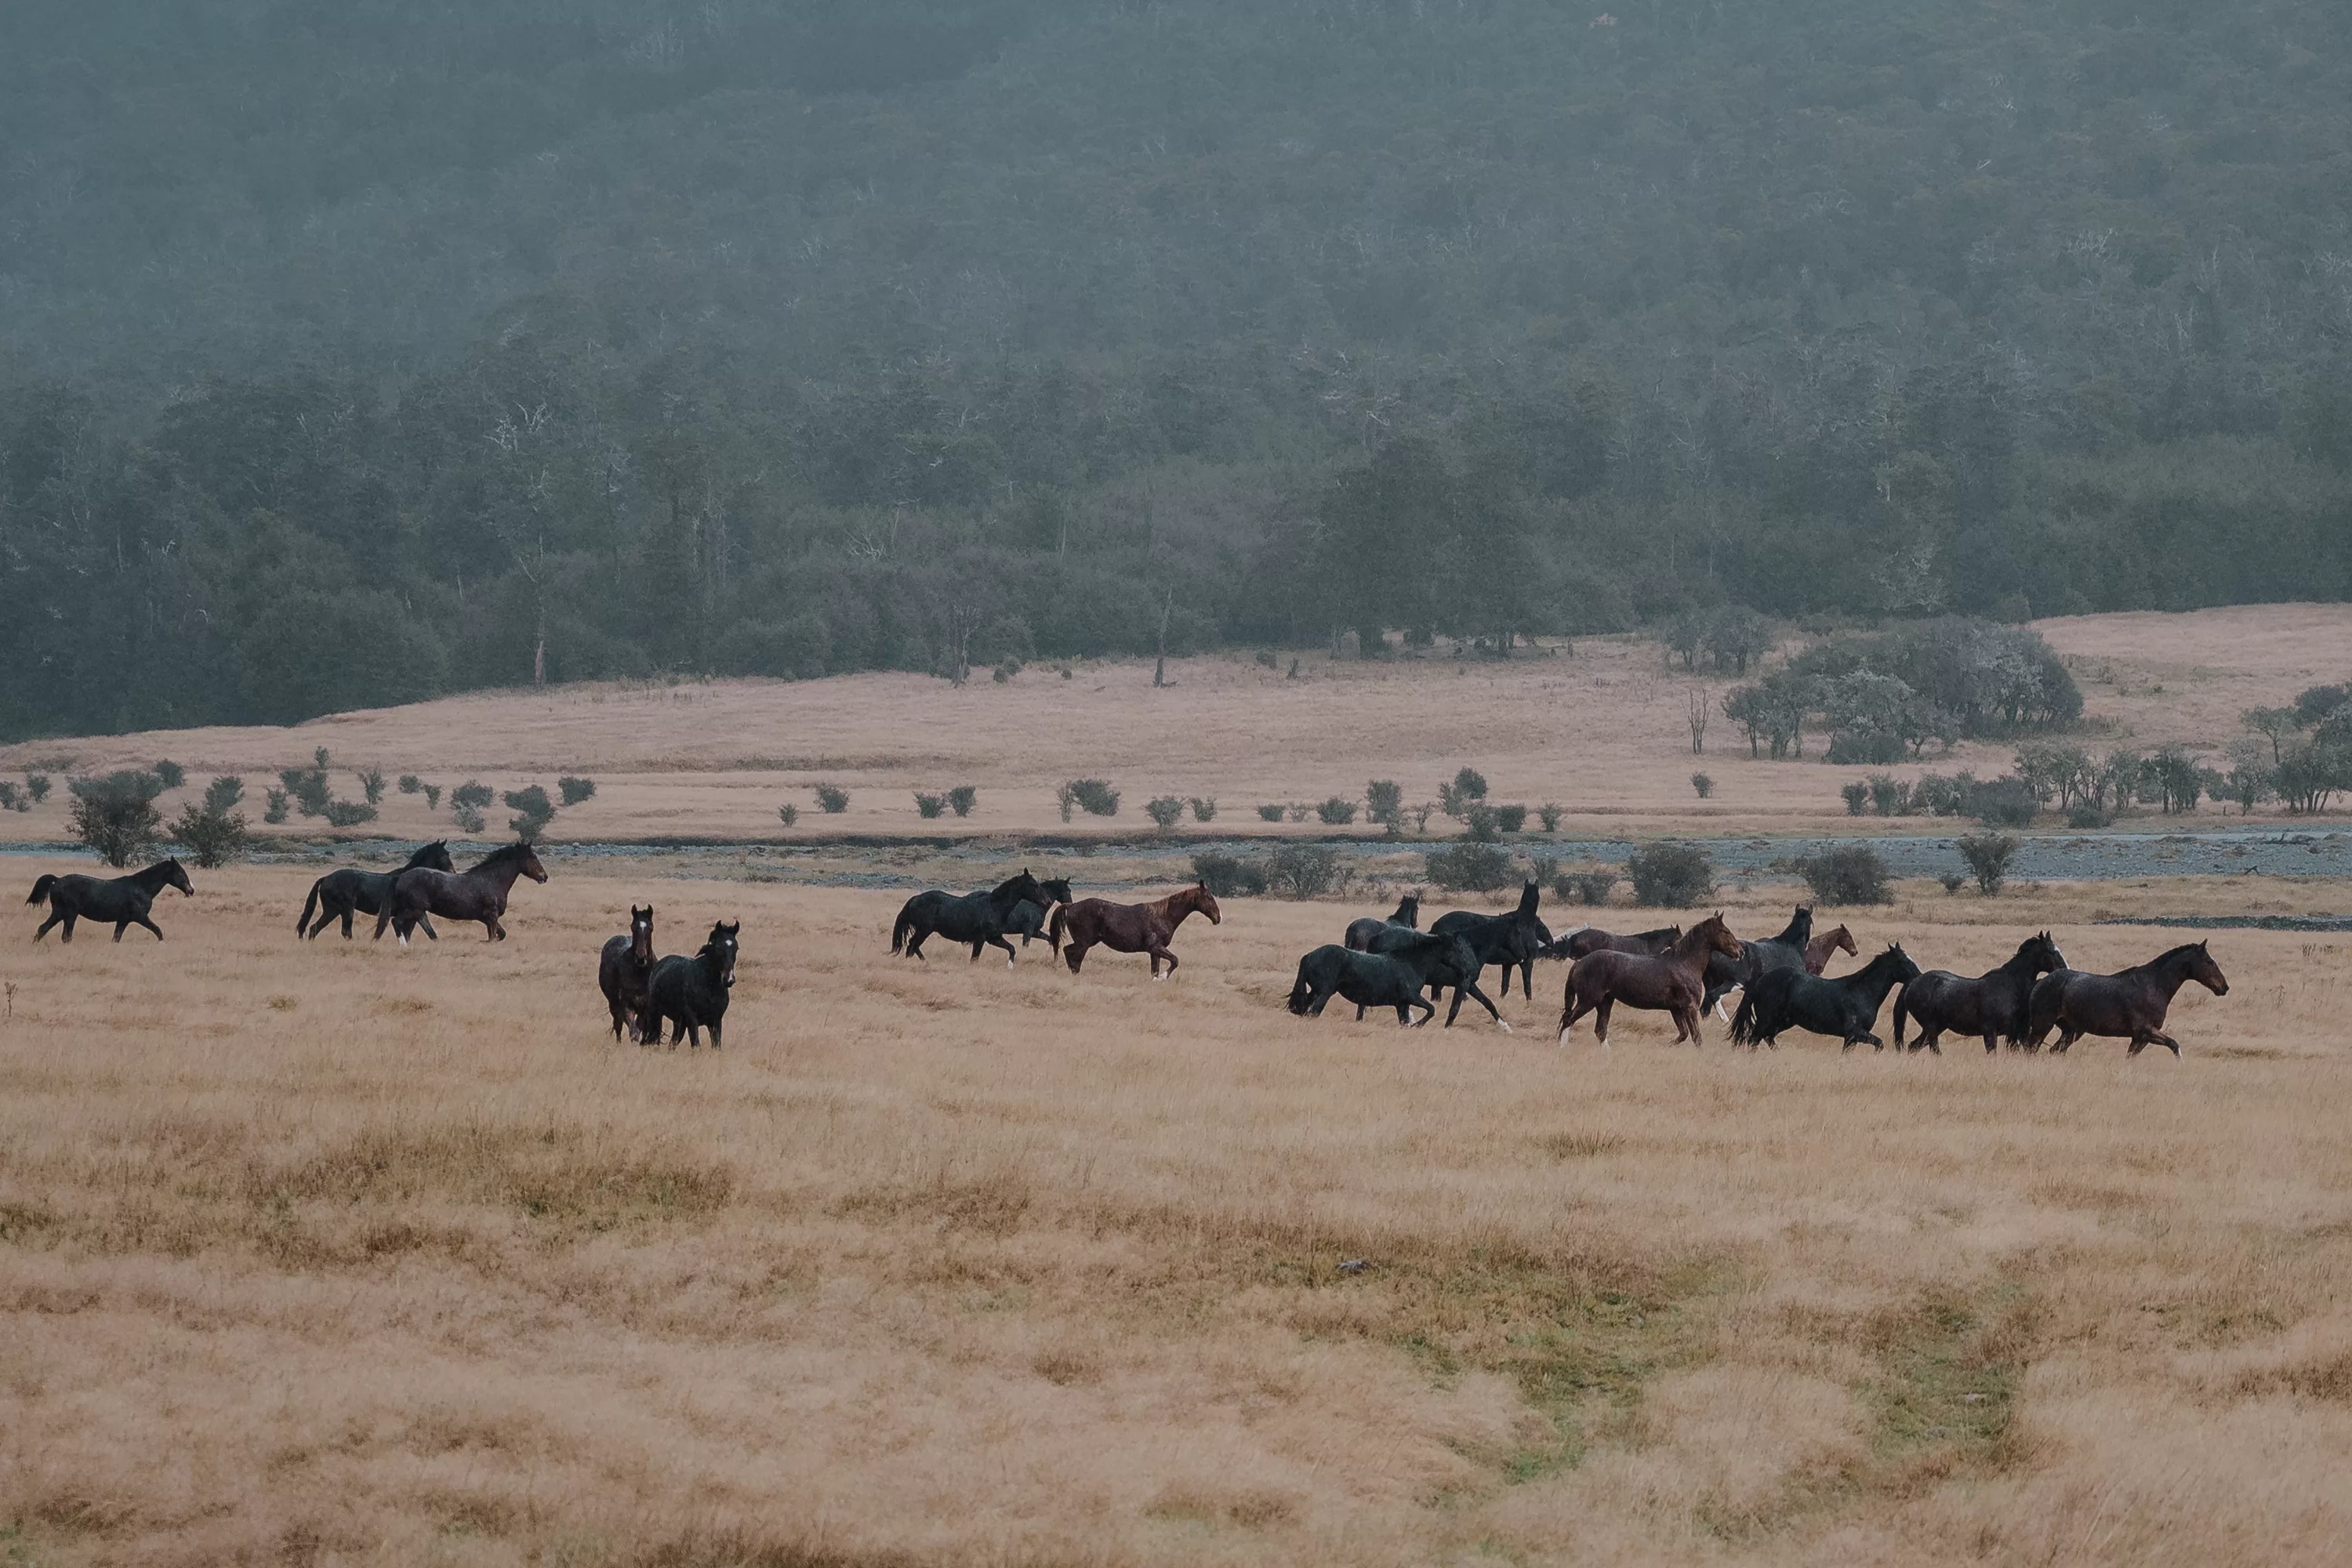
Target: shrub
point(1953, 881)
point(222, 794)
point(1468, 785)
point(1228, 876)
point(1671, 876)
point(372, 785)
point(2003, 802)
point(211, 838)
point(1704, 784)
point(468, 818)
point(472, 795)
point(1303, 870)
point(1269, 814)
point(1384, 799)
point(173, 774)
point(431, 797)
point(307, 788)
point(116, 815)
point(1469, 866)
point(1881, 746)
point(927, 807)
point(348, 813)
point(1850, 874)
point(410, 783)
point(832, 799)
point(1987, 856)
point(2087, 814)
point(274, 805)
point(788, 815)
point(1094, 796)
point(962, 798)
point(533, 812)
point(1857, 797)
point(1548, 815)
point(1337, 811)
point(1511, 818)
point(11, 798)
point(575, 789)
point(1480, 824)
point(37, 786)
point(1889, 796)
point(1165, 810)
point(1586, 887)
point(1204, 808)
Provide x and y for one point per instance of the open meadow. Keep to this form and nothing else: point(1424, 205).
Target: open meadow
point(335, 1253)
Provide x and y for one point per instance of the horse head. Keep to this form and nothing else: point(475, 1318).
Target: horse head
point(2205, 972)
point(527, 861)
point(641, 933)
point(176, 876)
point(1199, 901)
point(720, 948)
point(1056, 888)
point(1842, 940)
point(1710, 935)
point(1529, 896)
point(2043, 953)
point(1024, 889)
point(432, 857)
point(1906, 970)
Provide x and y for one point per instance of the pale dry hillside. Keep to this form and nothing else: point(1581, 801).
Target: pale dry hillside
point(338, 1254)
point(1602, 731)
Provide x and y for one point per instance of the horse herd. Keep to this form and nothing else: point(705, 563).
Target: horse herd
point(1381, 961)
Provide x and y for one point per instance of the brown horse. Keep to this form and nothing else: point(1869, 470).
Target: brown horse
point(2128, 1004)
point(1673, 982)
point(1576, 944)
point(1129, 928)
point(1819, 951)
point(1993, 1004)
point(476, 893)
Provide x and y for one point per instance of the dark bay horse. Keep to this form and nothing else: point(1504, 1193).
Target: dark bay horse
point(690, 994)
point(478, 893)
point(1846, 1008)
point(1029, 919)
point(1514, 941)
point(1367, 979)
point(1129, 928)
point(624, 969)
point(1993, 1004)
point(351, 891)
point(1360, 931)
point(2128, 1004)
point(1673, 982)
point(1758, 958)
point(1442, 959)
point(1592, 939)
point(125, 900)
point(980, 919)
point(1822, 948)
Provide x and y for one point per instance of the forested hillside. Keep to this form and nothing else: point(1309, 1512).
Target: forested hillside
point(353, 350)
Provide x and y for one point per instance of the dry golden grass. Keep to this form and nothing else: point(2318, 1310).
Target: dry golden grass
point(340, 1254)
point(1602, 733)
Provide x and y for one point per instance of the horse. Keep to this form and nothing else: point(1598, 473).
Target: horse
point(2128, 1004)
point(125, 900)
point(478, 893)
point(1993, 1004)
point(1576, 944)
point(1673, 982)
point(1822, 948)
point(1440, 959)
point(1129, 928)
point(1846, 1007)
point(1367, 979)
point(1758, 958)
point(1029, 916)
point(980, 919)
point(351, 891)
point(1512, 939)
point(1360, 931)
point(624, 970)
point(690, 994)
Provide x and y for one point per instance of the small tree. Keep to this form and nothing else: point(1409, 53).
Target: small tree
point(1480, 824)
point(1696, 710)
point(211, 838)
point(1204, 808)
point(12, 797)
point(37, 786)
point(1385, 801)
point(1671, 876)
point(1094, 796)
point(1850, 874)
point(1165, 810)
point(432, 797)
point(2274, 725)
point(222, 796)
point(788, 815)
point(171, 772)
point(274, 805)
point(116, 815)
point(962, 798)
point(575, 789)
point(1703, 784)
point(1469, 786)
point(832, 799)
point(2003, 802)
point(1548, 815)
point(372, 785)
point(927, 807)
point(1302, 870)
point(1511, 818)
point(1265, 813)
point(1857, 797)
point(533, 812)
point(1987, 856)
point(1337, 811)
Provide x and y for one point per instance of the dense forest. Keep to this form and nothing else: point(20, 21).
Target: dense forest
point(353, 351)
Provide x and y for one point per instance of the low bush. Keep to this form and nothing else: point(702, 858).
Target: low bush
point(372, 785)
point(11, 798)
point(788, 815)
point(1093, 796)
point(1511, 818)
point(533, 812)
point(1851, 873)
point(1987, 856)
point(1585, 887)
point(2003, 802)
point(472, 795)
point(1165, 810)
point(575, 789)
point(223, 794)
point(1481, 825)
point(832, 799)
point(173, 774)
point(37, 786)
point(1467, 786)
point(431, 797)
point(962, 798)
point(1303, 870)
point(1938, 795)
point(468, 818)
point(307, 788)
point(1204, 808)
point(1548, 815)
point(274, 804)
point(1953, 881)
point(348, 813)
point(1269, 814)
point(1889, 796)
point(1857, 797)
point(410, 783)
point(212, 838)
point(1704, 784)
point(1878, 746)
point(1671, 876)
point(1469, 866)
point(927, 807)
point(1229, 875)
point(2089, 813)
point(1337, 811)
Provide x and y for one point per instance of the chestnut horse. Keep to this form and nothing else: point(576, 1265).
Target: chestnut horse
point(2128, 1004)
point(1129, 928)
point(1674, 982)
point(1822, 948)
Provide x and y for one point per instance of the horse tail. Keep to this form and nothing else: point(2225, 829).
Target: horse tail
point(1054, 927)
point(41, 888)
point(904, 929)
point(309, 905)
point(1901, 998)
point(1743, 1022)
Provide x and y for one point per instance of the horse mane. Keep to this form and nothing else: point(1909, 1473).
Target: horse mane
point(1005, 889)
point(417, 858)
point(1168, 905)
point(500, 856)
point(2170, 955)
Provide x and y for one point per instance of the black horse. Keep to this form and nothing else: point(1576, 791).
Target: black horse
point(1367, 979)
point(980, 919)
point(351, 891)
point(1756, 959)
point(1846, 1007)
point(624, 969)
point(1442, 959)
point(1514, 941)
point(690, 994)
point(125, 900)
point(1362, 932)
point(1029, 916)
point(1993, 1005)
point(478, 893)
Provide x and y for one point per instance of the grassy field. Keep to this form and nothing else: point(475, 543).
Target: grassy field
point(1602, 731)
point(335, 1254)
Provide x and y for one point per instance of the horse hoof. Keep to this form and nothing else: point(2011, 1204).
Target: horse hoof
point(1507, 1029)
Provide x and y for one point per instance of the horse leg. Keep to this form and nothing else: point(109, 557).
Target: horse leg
point(1428, 1012)
point(2168, 1043)
point(1573, 1009)
point(714, 1034)
point(1600, 1020)
point(349, 910)
point(118, 927)
point(1073, 955)
point(73, 918)
point(1480, 997)
point(997, 940)
point(151, 925)
point(1157, 955)
point(54, 919)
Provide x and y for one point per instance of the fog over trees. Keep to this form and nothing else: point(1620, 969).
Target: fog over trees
point(353, 350)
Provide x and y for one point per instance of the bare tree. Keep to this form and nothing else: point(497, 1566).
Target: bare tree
point(1696, 708)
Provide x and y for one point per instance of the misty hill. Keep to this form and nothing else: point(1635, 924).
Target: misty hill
point(349, 351)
